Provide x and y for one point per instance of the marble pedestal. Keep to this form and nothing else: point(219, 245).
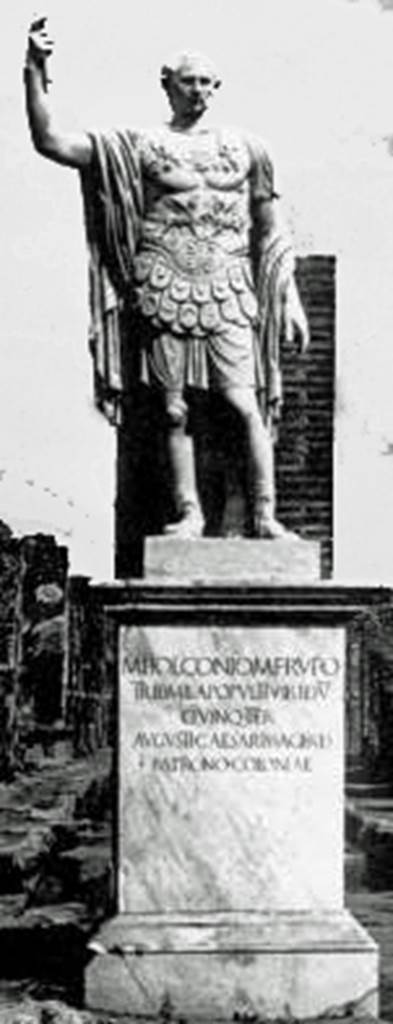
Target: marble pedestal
point(230, 815)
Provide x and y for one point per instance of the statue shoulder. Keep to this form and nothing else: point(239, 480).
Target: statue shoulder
point(155, 144)
point(252, 147)
point(262, 169)
point(153, 136)
point(232, 138)
point(258, 148)
point(114, 140)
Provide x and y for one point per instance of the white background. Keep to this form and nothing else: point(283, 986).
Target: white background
point(315, 79)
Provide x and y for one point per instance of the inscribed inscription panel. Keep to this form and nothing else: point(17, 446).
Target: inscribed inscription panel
point(231, 767)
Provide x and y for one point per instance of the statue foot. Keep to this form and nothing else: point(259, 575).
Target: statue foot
point(269, 528)
point(189, 527)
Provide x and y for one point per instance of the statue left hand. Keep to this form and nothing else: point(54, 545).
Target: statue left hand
point(294, 319)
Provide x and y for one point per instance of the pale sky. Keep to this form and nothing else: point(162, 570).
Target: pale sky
point(315, 80)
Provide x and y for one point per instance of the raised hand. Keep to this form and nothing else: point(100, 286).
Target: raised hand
point(39, 45)
point(73, 149)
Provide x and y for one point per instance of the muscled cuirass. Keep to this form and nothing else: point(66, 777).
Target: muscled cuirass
point(192, 271)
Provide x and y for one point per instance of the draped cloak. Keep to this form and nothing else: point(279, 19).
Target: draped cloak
point(112, 189)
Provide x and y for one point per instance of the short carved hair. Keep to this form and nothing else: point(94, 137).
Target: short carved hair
point(180, 60)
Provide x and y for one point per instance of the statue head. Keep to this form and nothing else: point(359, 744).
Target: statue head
point(189, 80)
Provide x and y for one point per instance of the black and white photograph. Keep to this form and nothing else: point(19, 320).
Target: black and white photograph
point(196, 498)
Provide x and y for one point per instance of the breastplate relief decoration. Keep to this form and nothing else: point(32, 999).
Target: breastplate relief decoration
point(192, 271)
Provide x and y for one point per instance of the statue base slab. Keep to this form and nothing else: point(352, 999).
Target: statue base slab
point(231, 965)
point(232, 558)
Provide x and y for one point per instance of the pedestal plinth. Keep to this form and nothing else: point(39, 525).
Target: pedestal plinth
point(230, 816)
point(270, 561)
point(220, 967)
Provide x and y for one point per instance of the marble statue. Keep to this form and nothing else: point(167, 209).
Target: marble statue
point(191, 271)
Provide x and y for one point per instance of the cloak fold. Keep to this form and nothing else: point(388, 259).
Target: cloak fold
point(275, 269)
point(113, 207)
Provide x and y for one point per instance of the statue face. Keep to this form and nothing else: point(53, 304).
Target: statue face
point(190, 88)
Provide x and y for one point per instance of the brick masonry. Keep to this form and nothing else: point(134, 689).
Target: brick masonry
point(305, 448)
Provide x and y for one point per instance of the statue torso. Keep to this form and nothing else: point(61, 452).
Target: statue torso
point(192, 270)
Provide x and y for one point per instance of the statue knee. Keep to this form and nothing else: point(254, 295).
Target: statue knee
point(245, 404)
point(176, 410)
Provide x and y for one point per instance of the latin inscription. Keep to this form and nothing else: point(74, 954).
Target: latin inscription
point(241, 712)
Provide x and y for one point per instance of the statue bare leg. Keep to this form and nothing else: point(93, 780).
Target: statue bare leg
point(190, 522)
point(260, 455)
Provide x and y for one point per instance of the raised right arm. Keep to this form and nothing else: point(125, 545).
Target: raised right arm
point(68, 148)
